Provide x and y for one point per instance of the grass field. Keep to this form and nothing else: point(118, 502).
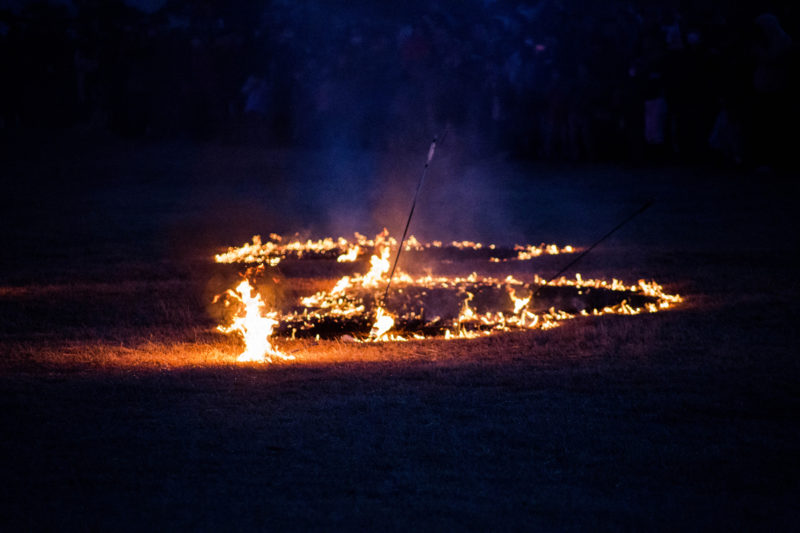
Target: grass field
point(122, 409)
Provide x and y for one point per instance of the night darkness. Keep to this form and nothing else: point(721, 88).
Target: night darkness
point(140, 138)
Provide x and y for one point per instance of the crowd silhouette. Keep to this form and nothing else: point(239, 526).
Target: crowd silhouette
point(558, 80)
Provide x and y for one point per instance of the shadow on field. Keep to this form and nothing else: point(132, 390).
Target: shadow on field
point(636, 425)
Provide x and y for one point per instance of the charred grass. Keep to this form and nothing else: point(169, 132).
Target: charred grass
point(121, 408)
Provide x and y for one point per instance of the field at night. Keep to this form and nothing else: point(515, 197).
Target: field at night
point(181, 350)
point(123, 408)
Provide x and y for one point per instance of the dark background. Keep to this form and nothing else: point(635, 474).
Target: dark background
point(555, 80)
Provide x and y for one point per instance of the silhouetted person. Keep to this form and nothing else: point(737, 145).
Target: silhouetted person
point(772, 124)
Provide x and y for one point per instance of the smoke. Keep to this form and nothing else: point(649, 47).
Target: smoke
point(337, 191)
point(359, 92)
point(462, 198)
point(330, 189)
point(356, 94)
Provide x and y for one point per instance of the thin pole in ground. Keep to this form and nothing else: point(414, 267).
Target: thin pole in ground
point(431, 151)
point(592, 247)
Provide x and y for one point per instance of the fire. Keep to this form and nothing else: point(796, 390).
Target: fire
point(354, 296)
point(251, 253)
point(379, 267)
point(519, 303)
point(349, 256)
point(253, 325)
point(383, 323)
point(527, 252)
point(278, 248)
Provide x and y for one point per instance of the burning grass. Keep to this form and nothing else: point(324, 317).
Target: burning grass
point(357, 309)
point(213, 351)
point(300, 311)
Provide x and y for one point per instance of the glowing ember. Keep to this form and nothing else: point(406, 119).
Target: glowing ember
point(525, 253)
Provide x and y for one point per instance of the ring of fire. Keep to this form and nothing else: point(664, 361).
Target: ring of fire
point(418, 307)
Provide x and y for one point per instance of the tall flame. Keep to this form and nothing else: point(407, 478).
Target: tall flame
point(383, 323)
point(379, 266)
point(253, 325)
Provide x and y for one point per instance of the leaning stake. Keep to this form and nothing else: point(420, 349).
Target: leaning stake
point(589, 249)
point(431, 151)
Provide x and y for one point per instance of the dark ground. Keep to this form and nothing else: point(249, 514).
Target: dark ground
point(683, 420)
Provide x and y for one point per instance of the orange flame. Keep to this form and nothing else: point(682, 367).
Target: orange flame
point(346, 298)
point(348, 250)
point(253, 325)
point(349, 256)
point(383, 323)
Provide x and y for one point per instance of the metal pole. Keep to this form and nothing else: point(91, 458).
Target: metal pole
point(431, 151)
point(589, 249)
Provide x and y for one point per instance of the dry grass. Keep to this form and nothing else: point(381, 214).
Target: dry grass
point(121, 409)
